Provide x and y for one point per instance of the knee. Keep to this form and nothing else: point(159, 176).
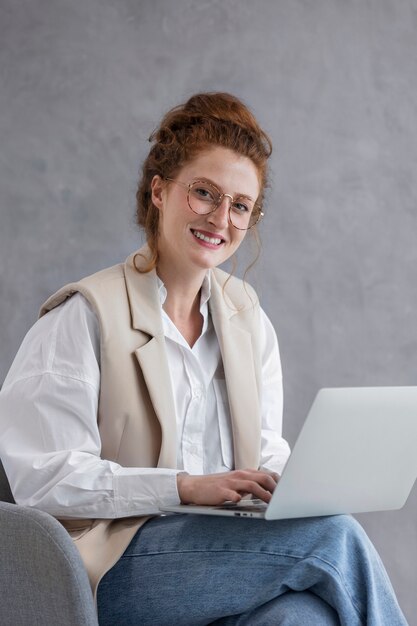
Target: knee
point(347, 528)
point(292, 609)
point(341, 525)
point(344, 534)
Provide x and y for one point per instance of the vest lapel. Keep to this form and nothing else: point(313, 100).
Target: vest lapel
point(145, 307)
point(153, 362)
point(238, 361)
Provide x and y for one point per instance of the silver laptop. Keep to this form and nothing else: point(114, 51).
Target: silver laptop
point(356, 452)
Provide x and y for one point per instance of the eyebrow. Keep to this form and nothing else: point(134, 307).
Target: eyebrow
point(203, 179)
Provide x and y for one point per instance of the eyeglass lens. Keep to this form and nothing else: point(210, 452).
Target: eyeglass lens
point(203, 199)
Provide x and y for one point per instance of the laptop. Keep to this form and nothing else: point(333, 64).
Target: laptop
point(356, 453)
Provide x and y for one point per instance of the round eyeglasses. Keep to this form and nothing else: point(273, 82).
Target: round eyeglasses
point(204, 198)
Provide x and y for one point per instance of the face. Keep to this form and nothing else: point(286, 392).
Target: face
point(190, 242)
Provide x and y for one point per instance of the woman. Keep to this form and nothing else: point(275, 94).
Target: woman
point(158, 381)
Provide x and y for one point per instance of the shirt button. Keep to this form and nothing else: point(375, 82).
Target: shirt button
point(198, 393)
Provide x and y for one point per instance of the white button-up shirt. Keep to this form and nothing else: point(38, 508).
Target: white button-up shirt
point(49, 438)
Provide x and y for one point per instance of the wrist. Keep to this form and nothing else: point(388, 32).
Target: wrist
point(181, 479)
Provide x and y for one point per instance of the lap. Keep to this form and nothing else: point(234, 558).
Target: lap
point(203, 532)
point(206, 567)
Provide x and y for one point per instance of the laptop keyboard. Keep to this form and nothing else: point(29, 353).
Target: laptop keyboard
point(246, 505)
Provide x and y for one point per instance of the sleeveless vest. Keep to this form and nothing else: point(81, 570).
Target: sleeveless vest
point(136, 415)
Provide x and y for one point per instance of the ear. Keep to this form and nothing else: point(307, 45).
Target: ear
point(157, 188)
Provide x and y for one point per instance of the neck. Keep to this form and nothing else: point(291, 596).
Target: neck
point(183, 287)
point(182, 303)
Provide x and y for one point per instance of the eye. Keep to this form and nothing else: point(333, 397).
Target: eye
point(202, 193)
point(241, 207)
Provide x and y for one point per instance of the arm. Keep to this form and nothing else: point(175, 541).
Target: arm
point(49, 438)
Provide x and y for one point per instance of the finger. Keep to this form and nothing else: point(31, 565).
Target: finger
point(268, 482)
point(230, 496)
point(253, 488)
point(265, 479)
point(275, 476)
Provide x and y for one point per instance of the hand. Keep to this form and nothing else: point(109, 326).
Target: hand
point(217, 488)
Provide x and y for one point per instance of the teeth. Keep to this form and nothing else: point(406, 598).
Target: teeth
point(213, 240)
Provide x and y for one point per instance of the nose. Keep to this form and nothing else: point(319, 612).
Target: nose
point(220, 216)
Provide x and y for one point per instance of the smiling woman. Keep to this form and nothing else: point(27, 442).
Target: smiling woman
point(191, 236)
point(144, 386)
point(200, 124)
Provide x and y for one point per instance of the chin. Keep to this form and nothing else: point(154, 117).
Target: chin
point(211, 259)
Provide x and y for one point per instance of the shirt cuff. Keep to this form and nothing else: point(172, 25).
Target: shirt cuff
point(144, 491)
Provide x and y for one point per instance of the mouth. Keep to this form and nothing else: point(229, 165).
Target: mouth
point(206, 238)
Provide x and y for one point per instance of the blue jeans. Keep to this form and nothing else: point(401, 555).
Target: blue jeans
point(196, 570)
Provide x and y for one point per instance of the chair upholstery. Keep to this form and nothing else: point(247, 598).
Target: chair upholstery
point(42, 578)
point(5, 491)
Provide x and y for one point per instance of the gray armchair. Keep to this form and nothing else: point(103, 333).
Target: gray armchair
point(42, 578)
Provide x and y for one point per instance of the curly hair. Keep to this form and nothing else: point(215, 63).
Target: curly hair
point(205, 120)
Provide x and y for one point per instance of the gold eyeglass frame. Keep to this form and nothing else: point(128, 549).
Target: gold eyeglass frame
point(221, 196)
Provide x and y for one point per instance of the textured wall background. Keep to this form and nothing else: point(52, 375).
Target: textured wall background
point(83, 82)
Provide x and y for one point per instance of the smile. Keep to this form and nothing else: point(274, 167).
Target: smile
point(213, 240)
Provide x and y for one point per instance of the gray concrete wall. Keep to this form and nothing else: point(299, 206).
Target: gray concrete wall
point(83, 82)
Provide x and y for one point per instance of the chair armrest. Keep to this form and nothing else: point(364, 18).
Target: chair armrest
point(42, 577)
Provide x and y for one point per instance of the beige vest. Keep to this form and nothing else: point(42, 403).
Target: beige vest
point(136, 415)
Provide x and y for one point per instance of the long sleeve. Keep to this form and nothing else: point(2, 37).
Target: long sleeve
point(49, 438)
point(274, 448)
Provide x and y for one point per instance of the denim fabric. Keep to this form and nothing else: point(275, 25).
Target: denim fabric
point(293, 608)
point(193, 570)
